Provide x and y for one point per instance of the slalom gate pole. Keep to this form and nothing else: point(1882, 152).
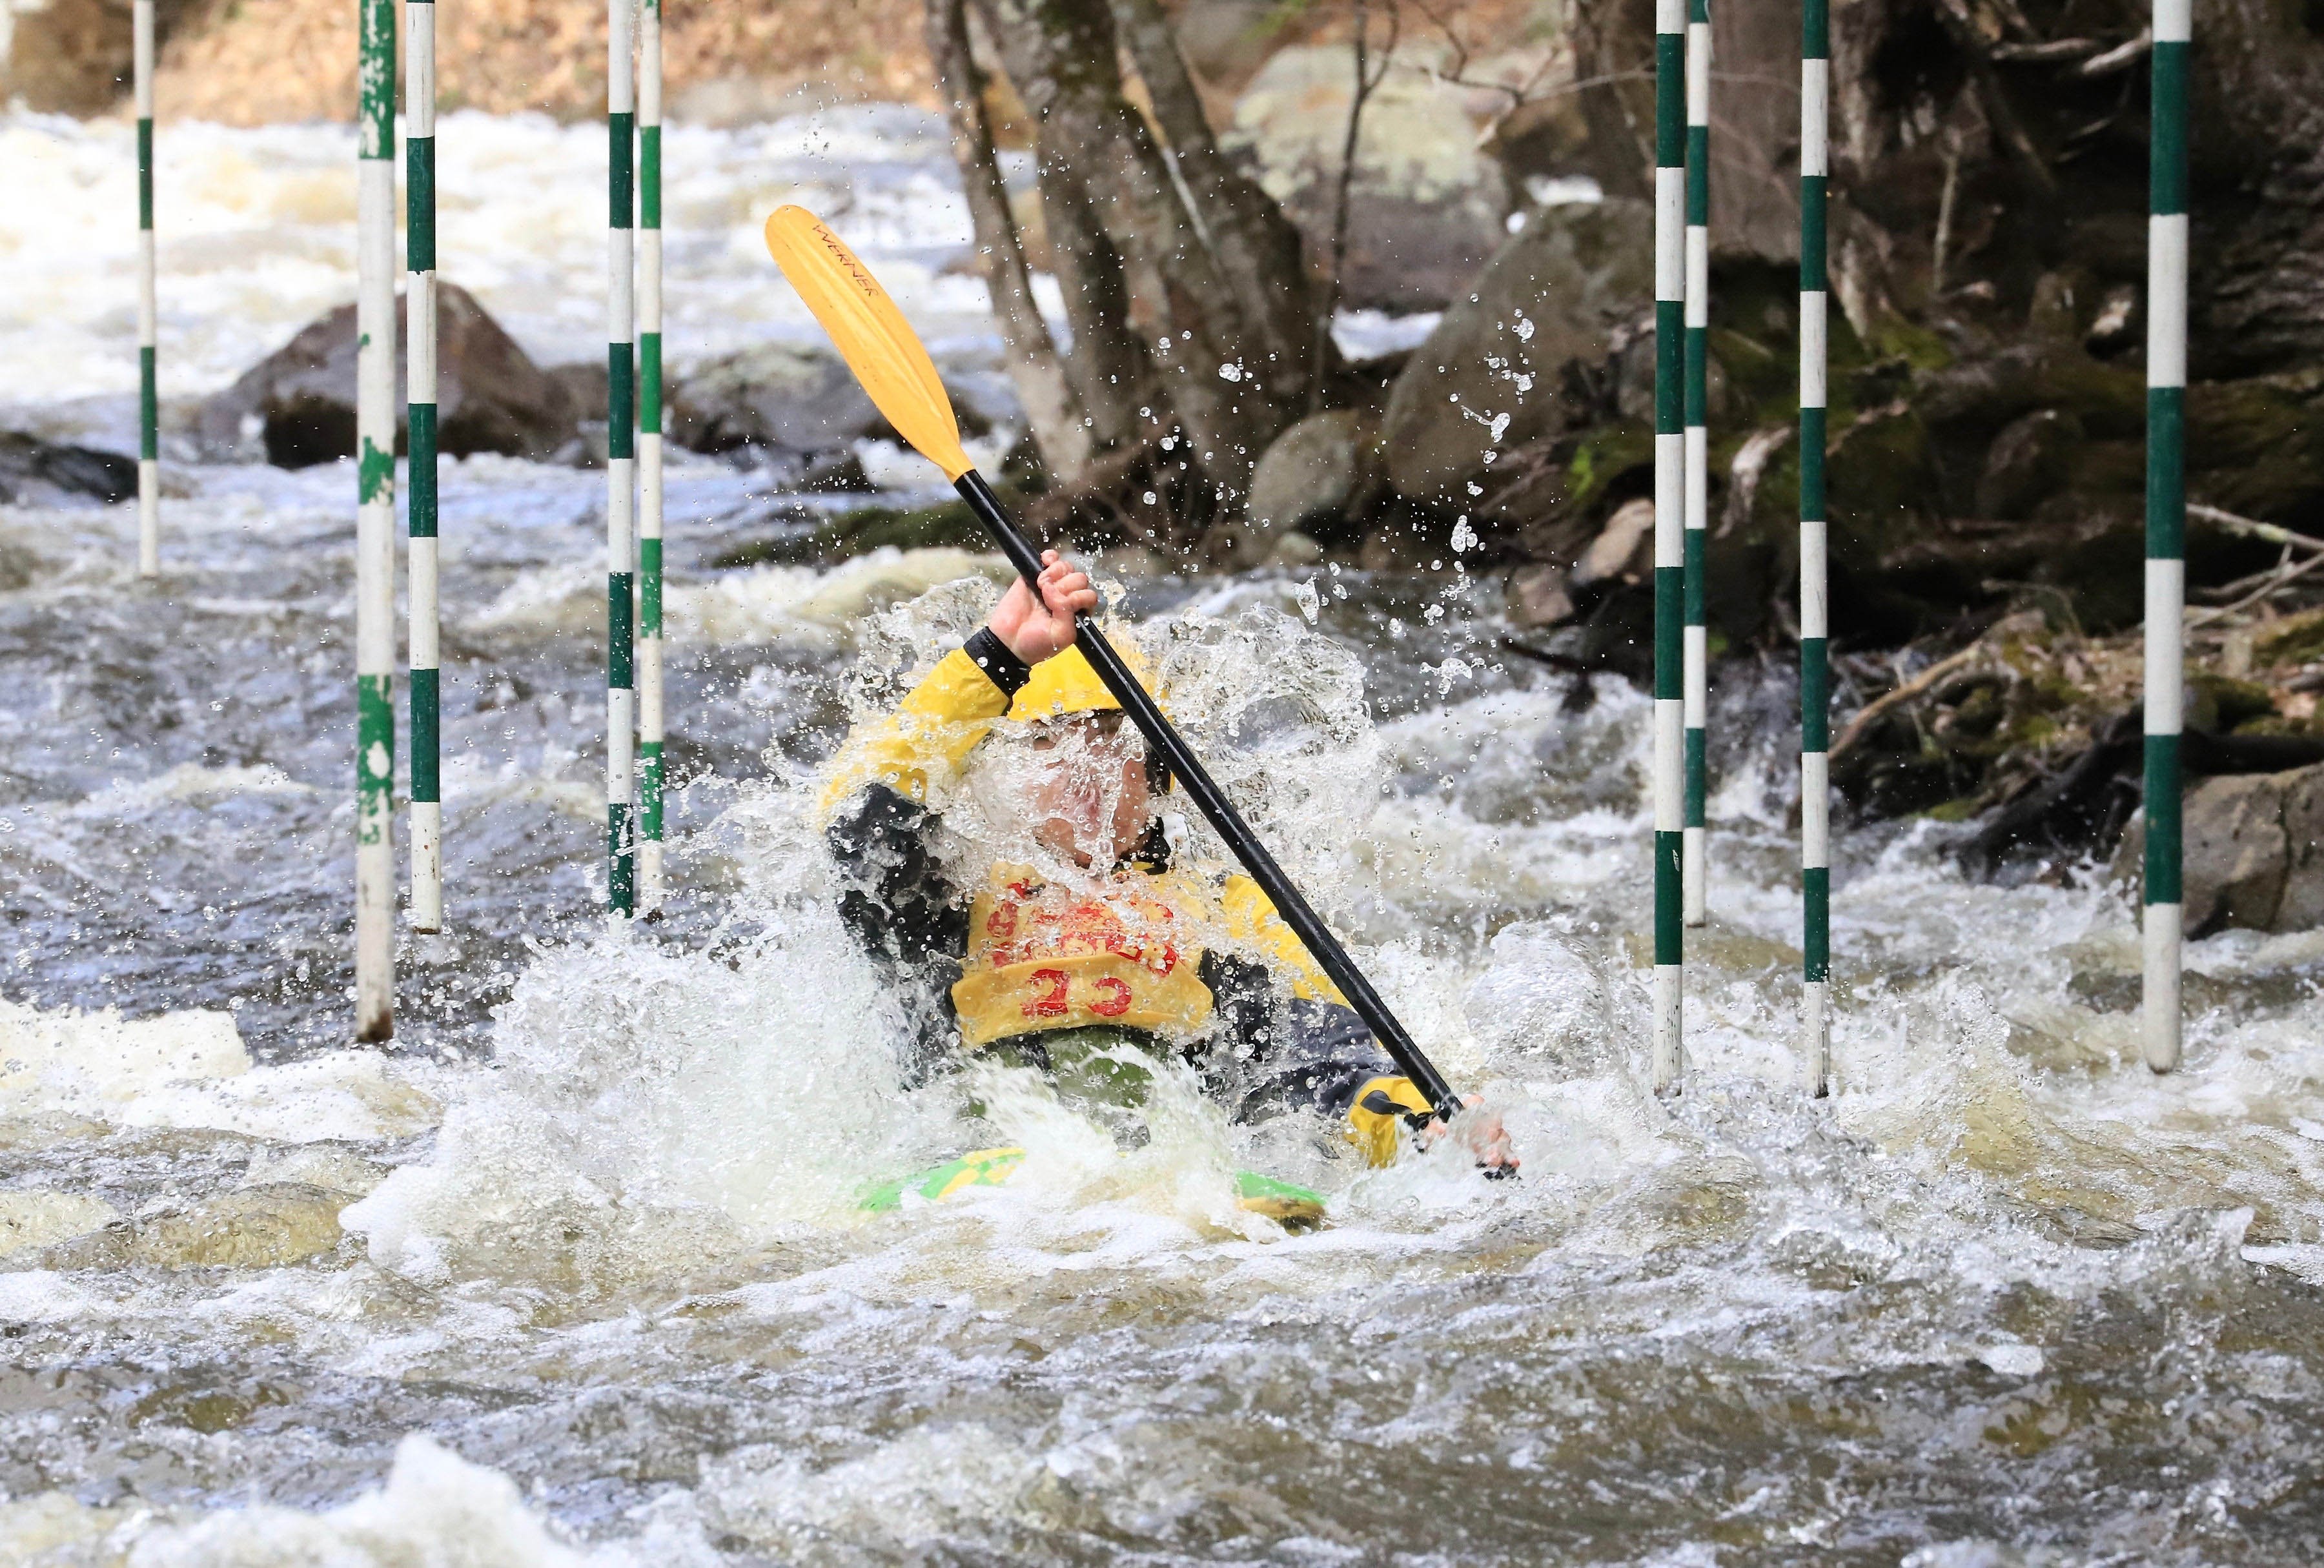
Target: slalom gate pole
point(1697, 701)
point(149, 401)
point(621, 461)
point(375, 521)
point(2166, 527)
point(1815, 724)
point(420, 418)
point(650, 708)
point(1670, 552)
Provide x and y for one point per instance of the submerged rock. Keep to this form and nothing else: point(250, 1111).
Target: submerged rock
point(297, 407)
point(43, 473)
point(42, 1218)
point(260, 1227)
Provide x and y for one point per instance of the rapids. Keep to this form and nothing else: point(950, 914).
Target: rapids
point(574, 1272)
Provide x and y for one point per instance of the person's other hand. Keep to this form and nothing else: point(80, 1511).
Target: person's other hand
point(1035, 628)
point(1480, 1132)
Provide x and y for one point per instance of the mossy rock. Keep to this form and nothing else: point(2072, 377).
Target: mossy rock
point(1602, 458)
point(861, 530)
point(2223, 704)
point(2296, 640)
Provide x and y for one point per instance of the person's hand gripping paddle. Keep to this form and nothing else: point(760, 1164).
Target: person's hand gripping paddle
point(886, 357)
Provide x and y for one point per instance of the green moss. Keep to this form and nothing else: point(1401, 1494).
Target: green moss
point(861, 530)
point(2032, 733)
point(2297, 640)
point(1758, 373)
point(1960, 809)
point(1916, 345)
point(2223, 703)
point(1603, 456)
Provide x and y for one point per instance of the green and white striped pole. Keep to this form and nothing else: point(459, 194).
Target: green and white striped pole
point(2166, 523)
point(149, 402)
point(650, 711)
point(1698, 451)
point(1815, 724)
point(621, 461)
point(1670, 551)
point(375, 521)
point(419, 416)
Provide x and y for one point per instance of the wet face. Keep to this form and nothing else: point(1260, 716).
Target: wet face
point(1090, 798)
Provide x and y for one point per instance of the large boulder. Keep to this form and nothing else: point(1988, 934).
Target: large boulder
point(801, 398)
point(297, 406)
point(1427, 203)
point(1493, 376)
point(1308, 473)
point(2254, 852)
point(771, 395)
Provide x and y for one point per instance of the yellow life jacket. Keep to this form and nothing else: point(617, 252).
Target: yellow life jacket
point(1043, 957)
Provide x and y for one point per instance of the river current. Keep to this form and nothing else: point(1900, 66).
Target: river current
point(575, 1271)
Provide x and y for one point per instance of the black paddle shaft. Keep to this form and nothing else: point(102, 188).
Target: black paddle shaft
point(1184, 767)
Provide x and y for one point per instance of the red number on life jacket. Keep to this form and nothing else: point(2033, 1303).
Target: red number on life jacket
point(1113, 1000)
point(1052, 1003)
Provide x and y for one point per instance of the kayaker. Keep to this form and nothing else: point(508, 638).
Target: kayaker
point(1115, 955)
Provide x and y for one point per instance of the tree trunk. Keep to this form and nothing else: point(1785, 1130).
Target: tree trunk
point(1131, 259)
point(1059, 428)
point(1247, 236)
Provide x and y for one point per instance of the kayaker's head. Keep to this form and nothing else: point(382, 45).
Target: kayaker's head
point(1093, 782)
point(1091, 793)
point(1090, 798)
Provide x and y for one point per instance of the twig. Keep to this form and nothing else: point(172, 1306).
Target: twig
point(2052, 50)
point(2121, 58)
point(1944, 216)
point(1366, 82)
point(2254, 528)
point(2226, 591)
point(2282, 580)
point(1871, 711)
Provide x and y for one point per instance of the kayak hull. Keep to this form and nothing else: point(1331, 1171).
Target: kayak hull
point(1293, 1206)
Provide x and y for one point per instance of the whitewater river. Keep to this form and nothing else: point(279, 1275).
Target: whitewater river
point(574, 1272)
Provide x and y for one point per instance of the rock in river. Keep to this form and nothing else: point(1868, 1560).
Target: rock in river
point(297, 406)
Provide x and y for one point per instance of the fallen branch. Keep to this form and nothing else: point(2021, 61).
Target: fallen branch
point(2251, 527)
point(1870, 713)
point(2278, 581)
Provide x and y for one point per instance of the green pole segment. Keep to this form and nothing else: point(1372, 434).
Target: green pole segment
point(149, 401)
point(649, 693)
point(1697, 701)
point(1670, 551)
point(2166, 527)
point(621, 463)
point(374, 520)
point(420, 357)
point(1815, 728)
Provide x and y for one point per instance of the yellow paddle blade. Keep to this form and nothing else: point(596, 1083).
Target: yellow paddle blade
point(870, 333)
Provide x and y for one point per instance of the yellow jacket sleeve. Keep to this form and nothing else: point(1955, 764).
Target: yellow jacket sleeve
point(1250, 917)
point(1373, 1115)
point(926, 741)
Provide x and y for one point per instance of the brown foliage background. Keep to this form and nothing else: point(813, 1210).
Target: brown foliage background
point(256, 61)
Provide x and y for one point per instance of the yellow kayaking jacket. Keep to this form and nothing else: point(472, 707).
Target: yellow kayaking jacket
point(1201, 962)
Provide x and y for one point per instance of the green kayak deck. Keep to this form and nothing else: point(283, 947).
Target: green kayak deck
point(1295, 1207)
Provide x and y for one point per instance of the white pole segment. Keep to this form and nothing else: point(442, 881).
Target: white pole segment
point(148, 465)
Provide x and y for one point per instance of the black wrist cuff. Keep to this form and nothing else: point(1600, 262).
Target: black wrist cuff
point(1002, 667)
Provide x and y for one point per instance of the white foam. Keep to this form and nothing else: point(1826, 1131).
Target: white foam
point(69, 1061)
point(434, 1507)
